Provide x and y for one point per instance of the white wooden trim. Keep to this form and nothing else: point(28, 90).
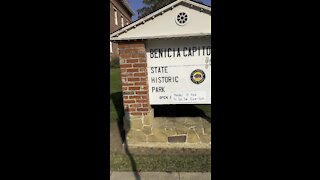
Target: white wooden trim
point(161, 37)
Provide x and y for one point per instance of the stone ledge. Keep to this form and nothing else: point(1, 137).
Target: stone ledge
point(171, 145)
point(167, 148)
point(145, 131)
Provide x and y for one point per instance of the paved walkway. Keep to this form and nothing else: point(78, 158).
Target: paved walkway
point(159, 176)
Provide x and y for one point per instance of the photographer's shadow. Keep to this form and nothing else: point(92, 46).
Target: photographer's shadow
point(118, 103)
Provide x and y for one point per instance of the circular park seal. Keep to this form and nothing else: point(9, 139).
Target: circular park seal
point(197, 76)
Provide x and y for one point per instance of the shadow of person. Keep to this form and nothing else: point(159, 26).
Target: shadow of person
point(132, 161)
point(118, 103)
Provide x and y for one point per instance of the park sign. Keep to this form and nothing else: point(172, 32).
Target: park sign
point(165, 58)
point(179, 71)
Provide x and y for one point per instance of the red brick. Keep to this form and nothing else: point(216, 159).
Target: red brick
point(123, 10)
point(142, 60)
point(125, 65)
point(132, 60)
point(142, 101)
point(127, 75)
point(140, 65)
point(142, 109)
point(125, 56)
point(129, 101)
point(140, 50)
point(130, 51)
point(138, 55)
point(137, 44)
point(141, 92)
point(140, 74)
point(135, 97)
point(132, 70)
point(133, 79)
point(132, 109)
point(134, 88)
point(123, 45)
point(144, 97)
point(135, 105)
point(121, 51)
point(127, 84)
point(136, 74)
point(140, 83)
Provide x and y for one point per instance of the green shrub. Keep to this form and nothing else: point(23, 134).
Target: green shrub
point(115, 62)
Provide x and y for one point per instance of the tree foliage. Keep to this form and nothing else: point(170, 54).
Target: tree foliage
point(153, 5)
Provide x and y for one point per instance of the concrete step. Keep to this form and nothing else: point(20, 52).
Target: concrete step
point(160, 176)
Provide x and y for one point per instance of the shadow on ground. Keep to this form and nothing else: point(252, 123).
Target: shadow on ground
point(118, 103)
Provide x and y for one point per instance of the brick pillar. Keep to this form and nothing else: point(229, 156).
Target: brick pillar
point(133, 65)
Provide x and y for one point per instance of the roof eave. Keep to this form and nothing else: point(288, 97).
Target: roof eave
point(146, 18)
point(127, 5)
point(114, 39)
